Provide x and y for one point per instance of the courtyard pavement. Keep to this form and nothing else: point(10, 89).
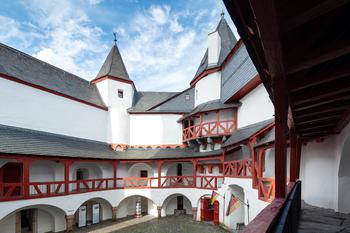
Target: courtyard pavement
point(320, 220)
point(149, 224)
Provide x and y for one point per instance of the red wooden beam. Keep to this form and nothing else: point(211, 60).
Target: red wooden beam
point(293, 155)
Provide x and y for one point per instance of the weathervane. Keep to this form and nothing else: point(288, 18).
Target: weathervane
point(115, 38)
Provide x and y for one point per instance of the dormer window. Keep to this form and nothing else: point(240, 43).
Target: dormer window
point(120, 93)
point(187, 96)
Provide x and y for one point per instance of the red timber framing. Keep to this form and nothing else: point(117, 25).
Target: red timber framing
point(213, 128)
point(25, 189)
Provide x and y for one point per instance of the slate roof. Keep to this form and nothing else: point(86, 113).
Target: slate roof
point(211, 106)
point(182, 102)
point(268, 138)
point(246, 132)
point(14, 140)
point(228, 41)
point(144, 100)
point(26, 68)
point(114, 66)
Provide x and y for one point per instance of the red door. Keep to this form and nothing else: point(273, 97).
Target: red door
point(216, 213)
point(207, 211)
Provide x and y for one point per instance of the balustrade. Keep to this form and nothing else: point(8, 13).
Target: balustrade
point(209, 129)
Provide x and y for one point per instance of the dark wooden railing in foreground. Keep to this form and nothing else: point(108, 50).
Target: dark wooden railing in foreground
point(281, 216)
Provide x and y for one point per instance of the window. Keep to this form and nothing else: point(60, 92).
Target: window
point(187, 96)
point(120, 93)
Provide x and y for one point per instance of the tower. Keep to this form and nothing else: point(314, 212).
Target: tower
point(117, 91)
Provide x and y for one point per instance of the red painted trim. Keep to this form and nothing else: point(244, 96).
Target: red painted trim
point(205, 73)
point(97, 80)
point(215, 69)
point(175, 113)
point(251, 85)
point(51, 91)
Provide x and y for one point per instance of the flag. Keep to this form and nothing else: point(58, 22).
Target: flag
point(232, 205)
point(214, 197)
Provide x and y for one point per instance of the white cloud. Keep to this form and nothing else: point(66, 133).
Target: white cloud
point(95, 2)
point(72, 41)
point(9, 28)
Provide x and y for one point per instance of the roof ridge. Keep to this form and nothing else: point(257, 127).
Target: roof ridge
point(170, 98)
point(41, 61)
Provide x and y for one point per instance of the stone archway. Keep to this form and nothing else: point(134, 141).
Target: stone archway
point(344, 179)
point(238, 216)
point(177, 204)
point(127, 206)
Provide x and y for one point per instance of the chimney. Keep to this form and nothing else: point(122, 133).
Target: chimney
point(214, 47)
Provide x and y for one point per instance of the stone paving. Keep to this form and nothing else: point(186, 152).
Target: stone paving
point(149, 224)
point(320, 220)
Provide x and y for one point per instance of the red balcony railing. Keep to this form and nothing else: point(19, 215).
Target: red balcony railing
point(238, 168)
point(209, 129)
point(266, 189)
point(15, 191)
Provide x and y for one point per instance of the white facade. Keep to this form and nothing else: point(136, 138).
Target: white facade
point(214, 47)
point(155, 129)
point(256, 106)
point(26, 107)
point(208, 88)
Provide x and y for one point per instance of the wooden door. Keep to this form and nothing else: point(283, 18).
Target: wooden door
point(216, 213)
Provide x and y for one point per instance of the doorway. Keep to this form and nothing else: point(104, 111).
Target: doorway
point(209, 212)
point(180, 202)
point(28, 221)
point(12, 173)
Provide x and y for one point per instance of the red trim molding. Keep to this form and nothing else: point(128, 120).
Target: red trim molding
point(97, 80)
point(224, 63)
point(51, 91)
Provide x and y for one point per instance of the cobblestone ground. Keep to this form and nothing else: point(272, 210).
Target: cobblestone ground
point(149, 224)
point(172, 224)
point(320, 220)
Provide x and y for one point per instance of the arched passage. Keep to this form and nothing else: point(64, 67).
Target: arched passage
point(93, 211)
point(344, 179)
point(206, 211)
point(127, 207)
point(177, 204)
point(236, 218)
point(36, 218)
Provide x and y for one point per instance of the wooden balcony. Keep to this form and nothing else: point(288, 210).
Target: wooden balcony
point(209, 129)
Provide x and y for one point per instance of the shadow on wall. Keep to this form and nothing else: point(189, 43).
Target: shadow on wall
point(344, 179)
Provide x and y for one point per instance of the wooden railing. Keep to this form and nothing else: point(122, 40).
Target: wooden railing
point(238, 168)
point(209, 129)
point(266, 188)
point(16, 191)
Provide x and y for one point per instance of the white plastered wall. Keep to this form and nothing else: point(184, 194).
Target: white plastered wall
point(155, 129)
point(208, 88)
point(319, 168)
point(27, 107)
point(256, 106)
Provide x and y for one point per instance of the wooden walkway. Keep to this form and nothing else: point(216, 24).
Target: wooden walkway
point(320, 220)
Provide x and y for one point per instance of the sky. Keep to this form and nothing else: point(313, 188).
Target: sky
point(161, 42)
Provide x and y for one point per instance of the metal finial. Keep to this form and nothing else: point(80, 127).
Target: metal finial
point(115, 38)
point(222, 13)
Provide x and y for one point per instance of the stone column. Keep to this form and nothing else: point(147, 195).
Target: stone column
point(114, 213)
point(194, 212)
point(18, 222)
point(70, 219)
point(159, 208)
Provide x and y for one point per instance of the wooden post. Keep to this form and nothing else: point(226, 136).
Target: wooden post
point(115, 164)
point(293, 155)
point(253, 156)
point(66, 176)
point(159, 166)
point(194, 173)
point(26, 176)
point(281, 113)
point(298, 157)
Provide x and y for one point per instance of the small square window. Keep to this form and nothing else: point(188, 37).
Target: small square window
point(120, 93)
point(187, 96)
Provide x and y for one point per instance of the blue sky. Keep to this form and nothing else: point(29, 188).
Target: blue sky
point(162, 42)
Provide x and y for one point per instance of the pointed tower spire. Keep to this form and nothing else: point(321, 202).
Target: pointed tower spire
point(114, 65)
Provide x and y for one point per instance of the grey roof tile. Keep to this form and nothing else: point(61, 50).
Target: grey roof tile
point(114, 65)
point(14, 140)
point(31, 70)
point(246, 132)
point(144, 100)
point(268, 138)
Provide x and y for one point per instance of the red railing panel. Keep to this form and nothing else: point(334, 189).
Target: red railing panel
point(208, 129)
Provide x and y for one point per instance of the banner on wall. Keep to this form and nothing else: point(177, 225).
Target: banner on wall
point(95, 213)
point(82, 216)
